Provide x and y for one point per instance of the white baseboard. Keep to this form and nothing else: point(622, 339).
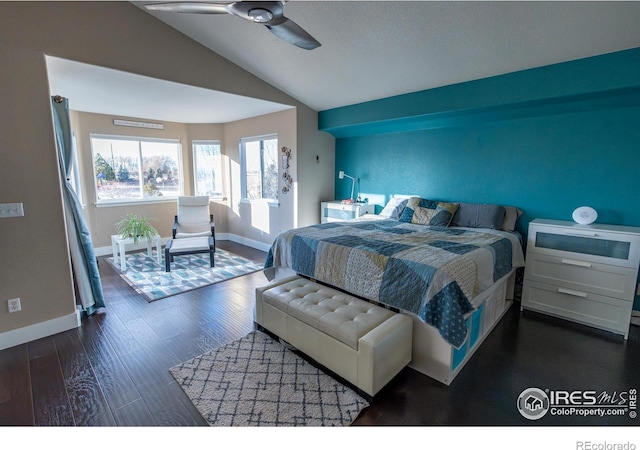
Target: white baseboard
point(248, 242)
point(40, 330)
point(107, 251)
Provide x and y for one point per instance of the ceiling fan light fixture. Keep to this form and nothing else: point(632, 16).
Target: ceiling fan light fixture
point(260, 15)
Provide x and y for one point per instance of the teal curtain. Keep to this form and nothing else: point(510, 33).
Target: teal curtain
point(83, 258)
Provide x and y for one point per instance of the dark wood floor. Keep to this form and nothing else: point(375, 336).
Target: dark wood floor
point(113, 371)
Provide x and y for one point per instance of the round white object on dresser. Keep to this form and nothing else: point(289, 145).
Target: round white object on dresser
point(585, 215)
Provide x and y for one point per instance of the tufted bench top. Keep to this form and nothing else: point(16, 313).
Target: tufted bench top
point(339, 315)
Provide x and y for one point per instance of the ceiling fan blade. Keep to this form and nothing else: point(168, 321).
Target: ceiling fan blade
point(268, 13)
point(271, 15)
point(190, 7)
point(293, 33)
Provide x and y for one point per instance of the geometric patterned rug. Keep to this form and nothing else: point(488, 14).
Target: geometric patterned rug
point(256, 381)
point(188, 272)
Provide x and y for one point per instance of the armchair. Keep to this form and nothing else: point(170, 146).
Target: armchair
point(194, 219)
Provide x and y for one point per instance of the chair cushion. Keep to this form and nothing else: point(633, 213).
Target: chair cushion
point(197, 200)
point(192, 235)
point(189, 245)
point(194, 215)
point(194, 227)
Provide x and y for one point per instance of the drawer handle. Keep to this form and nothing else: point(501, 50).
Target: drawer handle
point(573, 262)
point(572, 292)
point(575, 233)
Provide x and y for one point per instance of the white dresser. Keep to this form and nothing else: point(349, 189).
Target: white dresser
point(583, 273)
point(337, 211)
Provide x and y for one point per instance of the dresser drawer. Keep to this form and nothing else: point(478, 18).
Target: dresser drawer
point(592, 309)
point(596, 243)
point(575, 274)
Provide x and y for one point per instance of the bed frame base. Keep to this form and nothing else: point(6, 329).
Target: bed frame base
point(431, 354)
point(434, 357)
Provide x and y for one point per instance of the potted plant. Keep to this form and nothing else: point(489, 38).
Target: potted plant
point(136, 227)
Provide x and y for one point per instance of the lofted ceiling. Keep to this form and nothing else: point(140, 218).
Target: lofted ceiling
point(377, 49)
point(100, 90)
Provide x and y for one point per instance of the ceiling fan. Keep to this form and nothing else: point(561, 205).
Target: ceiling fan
point(269, 14)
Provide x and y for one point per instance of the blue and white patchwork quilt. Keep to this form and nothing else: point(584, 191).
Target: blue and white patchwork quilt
point(432, 272)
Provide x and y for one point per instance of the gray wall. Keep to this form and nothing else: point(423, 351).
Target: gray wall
point(35, 264)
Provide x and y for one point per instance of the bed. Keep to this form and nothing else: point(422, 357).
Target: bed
point(450, 266)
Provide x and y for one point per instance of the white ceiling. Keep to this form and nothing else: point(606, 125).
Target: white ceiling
point(107, 91)
point(376, 49)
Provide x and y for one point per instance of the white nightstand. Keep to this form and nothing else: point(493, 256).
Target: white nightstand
point(583, 273)
point(337, 211)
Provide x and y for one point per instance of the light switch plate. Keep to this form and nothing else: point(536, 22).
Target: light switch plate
point(11, 210)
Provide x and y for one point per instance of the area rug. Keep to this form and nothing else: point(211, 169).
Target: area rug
point(188, 272)
point(255, 381)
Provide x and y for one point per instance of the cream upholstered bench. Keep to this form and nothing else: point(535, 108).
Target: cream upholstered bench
point(363, 343)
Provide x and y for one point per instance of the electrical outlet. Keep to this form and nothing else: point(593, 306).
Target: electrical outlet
point(14, 305)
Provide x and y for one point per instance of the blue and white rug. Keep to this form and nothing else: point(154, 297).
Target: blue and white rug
point(255, 381)
point(188, 272)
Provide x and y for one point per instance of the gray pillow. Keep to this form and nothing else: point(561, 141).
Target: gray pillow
point(479, 215)
point(510, 218)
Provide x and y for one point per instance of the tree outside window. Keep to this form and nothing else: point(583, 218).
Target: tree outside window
point(207, 161)
point(260, 167)
point(128, 169)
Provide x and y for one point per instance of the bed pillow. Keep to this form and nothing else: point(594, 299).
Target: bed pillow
point(479, 215)
point(394, 208)
point(510, 217)
point(428, 212)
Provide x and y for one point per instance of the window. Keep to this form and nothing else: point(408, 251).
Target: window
point(259, 157)
point(134, 169)
point(207, 162)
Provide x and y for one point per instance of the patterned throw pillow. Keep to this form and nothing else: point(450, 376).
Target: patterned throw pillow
point(428, 212)
point(393, 209)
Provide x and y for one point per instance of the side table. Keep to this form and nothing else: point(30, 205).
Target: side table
point(118, 246)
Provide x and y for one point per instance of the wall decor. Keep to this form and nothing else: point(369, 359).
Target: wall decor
point(286, 176)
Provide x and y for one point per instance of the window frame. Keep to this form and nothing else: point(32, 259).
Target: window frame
point(243, 168)
point(143, 199)
point(217, 142)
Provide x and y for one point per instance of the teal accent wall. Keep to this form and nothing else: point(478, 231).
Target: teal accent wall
point(546, 166)
point(546, 140)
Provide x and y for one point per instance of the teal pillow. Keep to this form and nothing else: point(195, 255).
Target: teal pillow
point(428, 212)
